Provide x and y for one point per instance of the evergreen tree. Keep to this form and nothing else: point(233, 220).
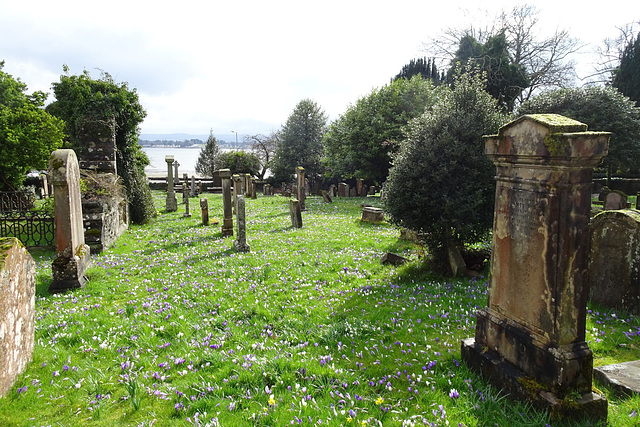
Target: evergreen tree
point(301, 142)
point(627, 76)
point(505, 80)
point(79, 98)
point(425, 67)
point(207, 161)
point(361, 142)
point(442, 183)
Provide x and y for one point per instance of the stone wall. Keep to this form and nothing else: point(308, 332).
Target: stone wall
point(105, 219)
point(17, 307)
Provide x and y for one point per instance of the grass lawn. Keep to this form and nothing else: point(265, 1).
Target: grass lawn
point(174, 328)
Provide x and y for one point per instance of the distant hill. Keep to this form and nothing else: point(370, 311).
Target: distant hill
point(228, 137)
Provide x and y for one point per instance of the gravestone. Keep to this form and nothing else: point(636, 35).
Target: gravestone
point(614, 260)
point(240, 244)
point(193, 186)
point(176, 177)
point(343, 189)
point(185, 194)
point(217, 180)
point(204, 206)
point(533, 328)
point(614, 201)
point(237, 190)
point(185, 191)
point(371, 214)
point(266, 190)
point(247, 185)
point(326, 197)
point(17, 310)
point(254, 192)
point(171, 204)
point(638, 201)
point(227, 208)
point(72, 254)
point(359, 186)
point(353, 193)
point(332, 190)
point(45, 185)
point(296, 213)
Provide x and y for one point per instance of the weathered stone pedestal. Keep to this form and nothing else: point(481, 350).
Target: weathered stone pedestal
point(73, 255)
point(530, 339)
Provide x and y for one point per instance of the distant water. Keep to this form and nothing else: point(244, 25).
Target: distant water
point(187, 157)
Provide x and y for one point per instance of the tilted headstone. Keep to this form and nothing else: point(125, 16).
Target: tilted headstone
point(614, 201)
point(171, 204)
point(614, 261)
point(17, 310)
point(326, 197)
point(296, 213)
point(534, 324)
point(204, 206)
point(240, 244)
point(72, 254)
point(227, 204)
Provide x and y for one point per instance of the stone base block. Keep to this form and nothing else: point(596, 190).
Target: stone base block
point(371, 214)
point(68, 272)
point(508, 377)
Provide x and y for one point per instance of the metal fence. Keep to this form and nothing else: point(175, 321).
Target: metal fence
point(19, 219)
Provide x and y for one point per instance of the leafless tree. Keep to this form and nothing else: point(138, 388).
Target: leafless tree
point(263, 146)
point(610, 53)
point(546, 59)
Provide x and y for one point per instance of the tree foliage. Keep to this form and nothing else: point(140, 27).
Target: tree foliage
point(239, 162)
point(263, 146)
point(626, 78)
point(602, 109)
point(208, 161)
point(425, 67)
point(441, 182)
point(505, 80)
point(301, 142)
point(81, 98)
point(360, 143)
point(28, 134)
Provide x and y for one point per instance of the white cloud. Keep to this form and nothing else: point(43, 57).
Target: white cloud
point(244, 65)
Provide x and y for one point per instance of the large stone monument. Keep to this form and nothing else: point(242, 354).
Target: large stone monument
point(227, 218)
point(73, 256)
point(530, 339)
point(17, 310)
point(171, 201)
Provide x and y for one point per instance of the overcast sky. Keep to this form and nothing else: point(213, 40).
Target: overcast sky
point(243, 65)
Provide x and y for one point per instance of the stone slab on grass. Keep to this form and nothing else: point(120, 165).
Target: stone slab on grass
point(624, 377)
